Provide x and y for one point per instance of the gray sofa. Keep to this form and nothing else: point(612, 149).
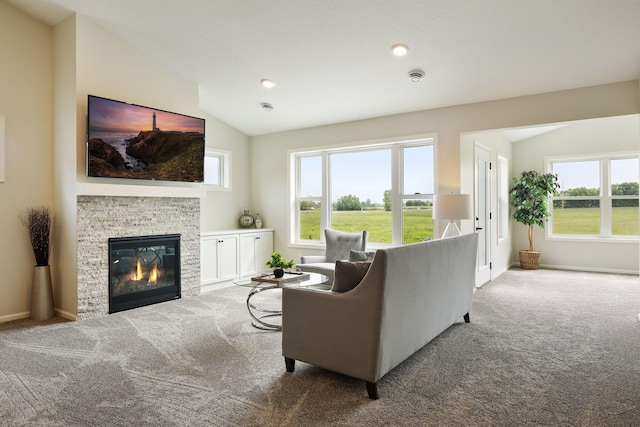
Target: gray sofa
point(409, 295)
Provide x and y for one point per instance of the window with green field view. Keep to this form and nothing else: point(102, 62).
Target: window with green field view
point(354, 190)
point(598, 196)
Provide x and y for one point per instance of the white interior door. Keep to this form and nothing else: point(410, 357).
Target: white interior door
point(483, 213)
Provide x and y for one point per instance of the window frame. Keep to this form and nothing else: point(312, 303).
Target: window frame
point(503, 184)
point(224, 174)
point(605, 198)
point(397, 176)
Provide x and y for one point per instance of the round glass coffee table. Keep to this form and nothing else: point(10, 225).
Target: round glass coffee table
point(262, 316)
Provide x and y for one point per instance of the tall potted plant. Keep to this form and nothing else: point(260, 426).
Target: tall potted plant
point(530, 207)
point(38, 221)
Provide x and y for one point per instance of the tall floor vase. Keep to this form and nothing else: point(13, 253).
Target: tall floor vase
point(41, 294)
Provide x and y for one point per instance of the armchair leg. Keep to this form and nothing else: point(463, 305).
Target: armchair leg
point(290, 364)
point(466, 318)
point(372, 390)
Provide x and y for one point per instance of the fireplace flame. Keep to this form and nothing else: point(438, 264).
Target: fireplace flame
point(137, 275)
point(153, 276)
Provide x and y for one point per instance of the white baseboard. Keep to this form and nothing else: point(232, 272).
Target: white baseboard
point(588, 269)
point(211, 287)
point(26, 314)
point(17, 316)
point(66, 315)
point(516, 264)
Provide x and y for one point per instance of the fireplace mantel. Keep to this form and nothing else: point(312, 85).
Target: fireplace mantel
point(180, 190)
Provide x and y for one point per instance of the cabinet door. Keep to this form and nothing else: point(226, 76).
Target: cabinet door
point(209, 260)
point(228, 257)
point(264, 248)
point(247, 255)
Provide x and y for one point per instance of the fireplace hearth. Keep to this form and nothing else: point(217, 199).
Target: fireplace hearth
point(143, 270)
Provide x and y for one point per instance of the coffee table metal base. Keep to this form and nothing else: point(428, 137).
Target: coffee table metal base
point(263, 318)
point(260, 314)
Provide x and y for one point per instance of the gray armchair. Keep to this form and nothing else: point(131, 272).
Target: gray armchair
point(338, 244)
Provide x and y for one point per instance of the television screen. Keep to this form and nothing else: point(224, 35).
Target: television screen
point(131, 141)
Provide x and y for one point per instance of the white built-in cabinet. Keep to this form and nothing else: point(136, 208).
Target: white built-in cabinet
point(234, 254)
point(255, 249)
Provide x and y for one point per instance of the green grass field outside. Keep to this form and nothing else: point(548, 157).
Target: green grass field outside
point(587, 221)
point(418, 223)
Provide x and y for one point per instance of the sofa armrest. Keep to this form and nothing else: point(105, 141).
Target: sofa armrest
point(339, 332)
point(310, 259)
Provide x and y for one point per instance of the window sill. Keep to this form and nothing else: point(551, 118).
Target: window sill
point(593, 239)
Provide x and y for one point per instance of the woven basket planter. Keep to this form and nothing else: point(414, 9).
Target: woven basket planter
point(529, 260)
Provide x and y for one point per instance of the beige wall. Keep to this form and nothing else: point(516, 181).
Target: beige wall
point(64, 177)
point(269, 152)
point(26, 103)
point(607, 135)
point(221, 209)
point(51, 73)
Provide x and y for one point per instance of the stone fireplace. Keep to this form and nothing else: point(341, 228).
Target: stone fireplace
point(143, 270)
point(100, 218)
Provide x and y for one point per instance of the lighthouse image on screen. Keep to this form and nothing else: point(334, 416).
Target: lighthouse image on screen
point(132, 141)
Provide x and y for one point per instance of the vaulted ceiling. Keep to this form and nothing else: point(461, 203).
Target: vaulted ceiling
point(331, 59)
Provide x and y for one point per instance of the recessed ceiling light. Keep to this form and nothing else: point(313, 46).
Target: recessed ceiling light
point(399, 49)
point(416, 75)
point(267, 83)
point(266, 106)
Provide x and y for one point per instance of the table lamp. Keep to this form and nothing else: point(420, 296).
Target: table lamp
point(452, 207)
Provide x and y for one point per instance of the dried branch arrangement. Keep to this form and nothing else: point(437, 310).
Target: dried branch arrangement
point(38, 221)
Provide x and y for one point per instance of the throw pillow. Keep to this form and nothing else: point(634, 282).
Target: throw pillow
point(361, 255)
point(348, 275)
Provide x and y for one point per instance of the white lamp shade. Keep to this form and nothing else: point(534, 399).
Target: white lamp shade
point(452, 206)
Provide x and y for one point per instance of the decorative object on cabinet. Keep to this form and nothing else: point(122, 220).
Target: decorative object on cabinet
point(258, 221)
point(246, 220)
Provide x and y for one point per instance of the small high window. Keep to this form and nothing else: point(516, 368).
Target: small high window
point(217, 169)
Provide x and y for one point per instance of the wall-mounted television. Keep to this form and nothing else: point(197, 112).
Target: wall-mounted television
point(131, 141)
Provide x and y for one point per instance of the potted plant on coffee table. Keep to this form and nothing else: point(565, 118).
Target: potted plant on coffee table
point(530, 203)
point(279, 263)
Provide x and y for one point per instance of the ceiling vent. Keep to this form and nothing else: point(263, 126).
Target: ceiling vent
point(416, 75)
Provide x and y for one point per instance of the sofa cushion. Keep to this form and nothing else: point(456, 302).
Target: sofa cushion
point(361, 255)
point(348, 274)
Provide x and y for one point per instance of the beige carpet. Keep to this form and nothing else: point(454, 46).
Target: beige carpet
point(543, 348)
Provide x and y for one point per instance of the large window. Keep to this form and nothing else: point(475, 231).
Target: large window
point(355, 189)
point(598, 197)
